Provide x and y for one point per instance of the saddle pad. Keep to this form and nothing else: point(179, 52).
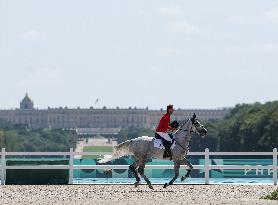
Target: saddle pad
point(157, 143)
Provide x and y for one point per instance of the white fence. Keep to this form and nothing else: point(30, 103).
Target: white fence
point(207, 166)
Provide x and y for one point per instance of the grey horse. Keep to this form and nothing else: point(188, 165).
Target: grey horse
point(143, 148)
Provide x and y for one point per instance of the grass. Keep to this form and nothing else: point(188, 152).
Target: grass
point(272, 196)
point(96, 149)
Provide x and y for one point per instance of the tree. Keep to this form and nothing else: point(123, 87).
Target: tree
point(250, 127)
point(15, 138)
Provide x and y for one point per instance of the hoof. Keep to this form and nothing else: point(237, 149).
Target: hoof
point(182, 178)
point(150, 186)
point(136, 184)
point(165, 185)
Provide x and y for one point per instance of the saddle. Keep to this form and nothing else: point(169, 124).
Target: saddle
point(161, 143)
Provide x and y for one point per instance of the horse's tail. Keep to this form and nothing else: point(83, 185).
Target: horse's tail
point(120, 150)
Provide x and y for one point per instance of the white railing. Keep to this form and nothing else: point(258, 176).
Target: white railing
point(207, 167)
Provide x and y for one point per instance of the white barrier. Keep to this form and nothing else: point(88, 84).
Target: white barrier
point(206, 167)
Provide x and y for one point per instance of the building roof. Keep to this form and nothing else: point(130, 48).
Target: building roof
point(26, 103)
point(27, 98)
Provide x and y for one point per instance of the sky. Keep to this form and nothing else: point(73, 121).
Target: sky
point(193, 54)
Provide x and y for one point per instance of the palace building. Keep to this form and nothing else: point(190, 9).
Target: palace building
point(68, 118)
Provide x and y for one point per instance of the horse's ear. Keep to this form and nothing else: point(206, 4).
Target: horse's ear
point(194, 116)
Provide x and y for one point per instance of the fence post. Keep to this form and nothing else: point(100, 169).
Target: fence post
point(71, 166)
point(206, 166)
point(275, 166)
point(3, 166)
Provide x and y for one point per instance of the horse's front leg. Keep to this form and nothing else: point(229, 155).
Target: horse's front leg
point(188, 170)
point(133, 169)
point(177, 168)
point(141, 172)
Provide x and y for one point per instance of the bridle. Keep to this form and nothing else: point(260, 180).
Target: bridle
point(185, 130)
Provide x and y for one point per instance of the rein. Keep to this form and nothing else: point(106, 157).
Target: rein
point(185, 131)
point(180, 145)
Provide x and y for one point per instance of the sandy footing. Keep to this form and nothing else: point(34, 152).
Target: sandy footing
point(127, 194)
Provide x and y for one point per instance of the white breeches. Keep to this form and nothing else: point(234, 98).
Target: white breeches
point(165, 136)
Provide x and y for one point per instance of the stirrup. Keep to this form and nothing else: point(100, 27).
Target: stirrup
point(166, 156)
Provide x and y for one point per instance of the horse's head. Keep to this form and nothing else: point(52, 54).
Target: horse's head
point(193, 125)
point(197, 127)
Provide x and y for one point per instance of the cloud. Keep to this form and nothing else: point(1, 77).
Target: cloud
point(266, 47)
point(245, 74)
point(182, 27)
point(168, 51)
point(260, 18)
point(240, 19)
point(45, 73)
point(237, 19)
point(170, 11)
point(141, 12)
point(272, 14)
point(230, 36)
point(40, 75)
point(154, 69)
point(33, 35)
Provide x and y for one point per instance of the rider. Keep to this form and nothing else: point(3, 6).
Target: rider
point(163, 128)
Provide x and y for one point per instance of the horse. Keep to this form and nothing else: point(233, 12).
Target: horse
point(143, 148)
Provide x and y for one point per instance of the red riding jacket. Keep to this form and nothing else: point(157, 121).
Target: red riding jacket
point(164, 123)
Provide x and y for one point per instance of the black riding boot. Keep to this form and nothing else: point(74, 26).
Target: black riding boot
point(167, 152)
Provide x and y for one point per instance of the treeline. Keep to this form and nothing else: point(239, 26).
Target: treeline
point(248, 127)
point(18, 138)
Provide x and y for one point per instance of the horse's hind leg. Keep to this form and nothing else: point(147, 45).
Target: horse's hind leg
point(177, 168)
point(188, 170)
point(141, 172)
point(133, 169)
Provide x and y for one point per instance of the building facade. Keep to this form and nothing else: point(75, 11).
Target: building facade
point(69, 118)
